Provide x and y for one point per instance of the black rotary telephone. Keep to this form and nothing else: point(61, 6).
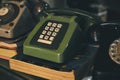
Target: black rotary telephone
point(107, 62)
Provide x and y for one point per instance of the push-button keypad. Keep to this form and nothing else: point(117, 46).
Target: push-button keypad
point(49, 33)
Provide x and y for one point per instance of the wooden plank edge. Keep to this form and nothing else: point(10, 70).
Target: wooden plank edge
point(40, 71)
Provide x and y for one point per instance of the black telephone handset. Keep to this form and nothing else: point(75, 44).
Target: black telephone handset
point(60, 34)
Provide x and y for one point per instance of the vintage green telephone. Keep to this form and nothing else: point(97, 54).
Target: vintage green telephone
point(59, 34)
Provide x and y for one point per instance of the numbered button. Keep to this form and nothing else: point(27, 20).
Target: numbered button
point(46, 28)
point(41, 36)
point(44, 32)
point(52, 29)
point(54, 24)
point(57, 29)
point(59, 25)
point(49, 24)
point(51, 38)
point(46, 37)
point(54, 34)
point(49, 33)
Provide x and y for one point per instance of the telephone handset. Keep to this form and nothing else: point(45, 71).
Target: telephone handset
point(90, 23)
point(82, 17)
point(58, 35)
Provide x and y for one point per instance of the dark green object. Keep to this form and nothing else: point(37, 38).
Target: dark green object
point(66, 41)
point(59, 49)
